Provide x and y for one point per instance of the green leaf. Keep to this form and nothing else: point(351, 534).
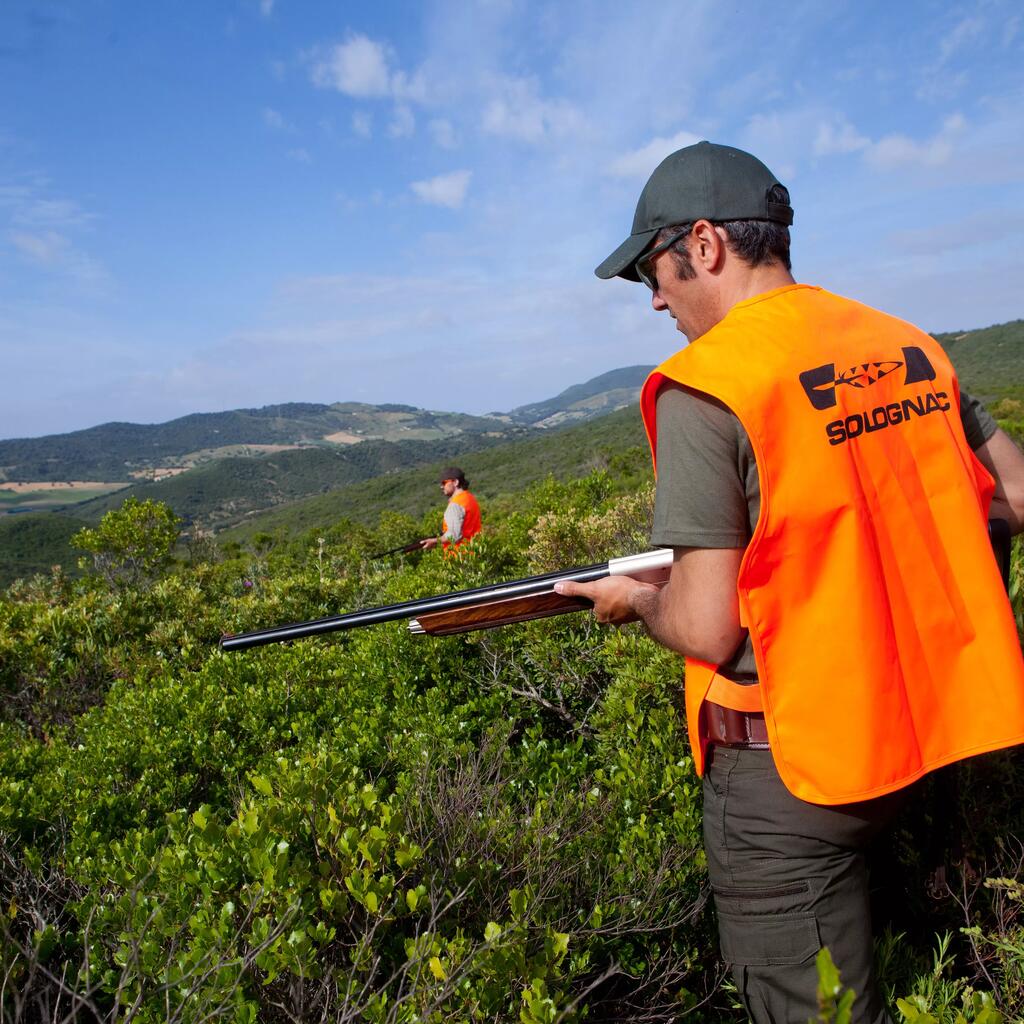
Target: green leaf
point(261, 785)
point(517, 902)
point(828, 974)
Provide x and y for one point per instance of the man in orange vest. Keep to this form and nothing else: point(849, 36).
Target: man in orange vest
point(461, 517)
point(825, 486)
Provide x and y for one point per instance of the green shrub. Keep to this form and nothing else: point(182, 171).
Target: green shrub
point(377, 826)
point(132, 544)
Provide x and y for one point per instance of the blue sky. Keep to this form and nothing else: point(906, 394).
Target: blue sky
point(212, 205)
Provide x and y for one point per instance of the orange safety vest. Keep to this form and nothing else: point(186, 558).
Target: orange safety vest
point(470, 525)
point(884, 642)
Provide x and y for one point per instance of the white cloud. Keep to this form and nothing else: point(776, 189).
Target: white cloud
point(640, 162)
point(938, 80)
point(362, 124)
point(784, 138)
point(416, 87)
point(988, 229)
point(47, 249)
point(58, 213)
point(266, 8)
point(358, 67)
point(897, 150)
point(444, 190)
point(838, 136)
point(941, 84)
point(273, 119)
point(962, 34)
point(443, 133)
point(403, 124)
point(55, 252)
point(43, 231)
point(1010, 30)
point(517, 111)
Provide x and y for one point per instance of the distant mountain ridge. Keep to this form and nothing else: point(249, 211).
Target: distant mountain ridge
point(220, 494)
point(602, 394)
point(130, 452)
point(989, 361)
point(125, 451)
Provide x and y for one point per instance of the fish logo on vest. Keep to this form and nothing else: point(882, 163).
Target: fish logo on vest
point(820, 383)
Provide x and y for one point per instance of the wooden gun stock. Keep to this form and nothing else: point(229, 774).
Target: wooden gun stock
point(489, 614)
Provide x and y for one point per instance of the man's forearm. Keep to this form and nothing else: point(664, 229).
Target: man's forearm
point(648, 604)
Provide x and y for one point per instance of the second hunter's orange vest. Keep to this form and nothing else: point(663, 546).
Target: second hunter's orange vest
point(884, 642)
point(471, 525)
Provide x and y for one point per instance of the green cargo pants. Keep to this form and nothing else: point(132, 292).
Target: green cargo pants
point(789, 877)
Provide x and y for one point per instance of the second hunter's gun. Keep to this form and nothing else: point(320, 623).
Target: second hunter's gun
point(402, 549)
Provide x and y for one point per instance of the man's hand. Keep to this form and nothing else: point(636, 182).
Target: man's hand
point(614, 597)
point(428, 543)
point(696, 613)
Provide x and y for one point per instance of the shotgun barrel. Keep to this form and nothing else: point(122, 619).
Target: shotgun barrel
point(518, 596)
point(403, 549)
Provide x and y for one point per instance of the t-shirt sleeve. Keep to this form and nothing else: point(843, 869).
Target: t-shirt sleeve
point(700, 499)
point(454, 517)
point(978, 423)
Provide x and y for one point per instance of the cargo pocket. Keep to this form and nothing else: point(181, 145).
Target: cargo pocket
point(756, 934)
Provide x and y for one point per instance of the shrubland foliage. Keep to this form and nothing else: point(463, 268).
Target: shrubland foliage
point(133, 543)
point(374, 826)
point(1009, 414)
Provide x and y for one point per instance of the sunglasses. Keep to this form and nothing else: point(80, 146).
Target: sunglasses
point(645, 265)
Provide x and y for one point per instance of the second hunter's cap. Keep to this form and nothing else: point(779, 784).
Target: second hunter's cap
point(451, 473)
point(703, 181)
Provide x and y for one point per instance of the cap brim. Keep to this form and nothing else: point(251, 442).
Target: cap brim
point(621, 262)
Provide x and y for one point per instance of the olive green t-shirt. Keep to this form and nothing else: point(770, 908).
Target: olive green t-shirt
point(708, 493)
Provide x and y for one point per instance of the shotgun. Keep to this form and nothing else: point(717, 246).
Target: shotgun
point(480, 608)
point(402, 549)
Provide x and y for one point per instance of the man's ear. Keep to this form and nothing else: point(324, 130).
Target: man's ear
point(707, 245)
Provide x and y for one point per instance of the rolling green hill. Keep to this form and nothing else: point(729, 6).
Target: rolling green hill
point(613, 390)
point(989, 361)
point(34, 542)
point(502, 470)
point(361, 486)
point(223, 493)
point(117, 451)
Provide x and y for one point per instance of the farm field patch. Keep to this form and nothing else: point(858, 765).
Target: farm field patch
point(41, 495)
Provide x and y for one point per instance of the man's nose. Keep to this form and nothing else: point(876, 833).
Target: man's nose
point(657, 301)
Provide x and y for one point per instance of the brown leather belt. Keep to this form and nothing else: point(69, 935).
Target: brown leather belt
point(727, 728)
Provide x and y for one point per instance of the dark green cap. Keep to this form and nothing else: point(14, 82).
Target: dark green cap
point(706, 181)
